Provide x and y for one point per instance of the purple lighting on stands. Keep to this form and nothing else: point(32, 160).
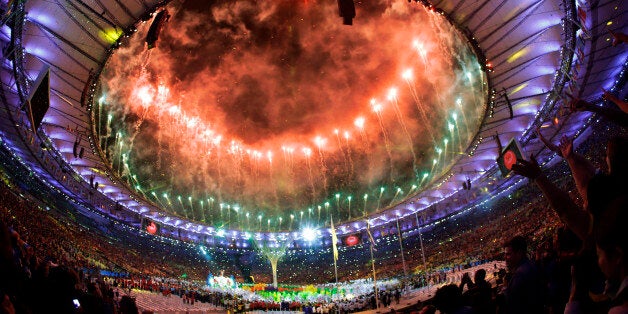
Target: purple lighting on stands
point(38, 51)
point(40, 18)
point(547, 22)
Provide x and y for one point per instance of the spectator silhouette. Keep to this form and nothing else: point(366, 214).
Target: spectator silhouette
point(611, 241)
point(479, 296)
point(61, 290)
point(127, 305)
point(524, 290)
point(606, 186)
point(448, 300)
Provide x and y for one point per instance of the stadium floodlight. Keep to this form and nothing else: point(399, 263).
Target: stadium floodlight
point(309, 234)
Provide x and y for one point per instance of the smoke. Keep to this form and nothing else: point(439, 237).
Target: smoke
point(235, 93)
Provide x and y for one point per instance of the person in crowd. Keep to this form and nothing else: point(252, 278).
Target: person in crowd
point(557, 268)
point(92, 301)
point(448, 300)
point(127, 305)
point(466, 281)
point(479, 294)
point(524, 289)
point(611, 242)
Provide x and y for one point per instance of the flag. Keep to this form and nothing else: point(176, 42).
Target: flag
point(334, 239)
point(580, 53)
point(368, 231)
point(582, 15)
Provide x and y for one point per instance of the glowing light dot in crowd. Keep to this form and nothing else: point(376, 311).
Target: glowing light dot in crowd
point(346, 135)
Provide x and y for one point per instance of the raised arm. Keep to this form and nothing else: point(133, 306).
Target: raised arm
point(551, 146)
point(620, 103)
point(576, 219)
point(617, 116)
point(581, 169)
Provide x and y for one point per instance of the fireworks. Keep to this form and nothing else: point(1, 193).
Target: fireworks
point(243, 126)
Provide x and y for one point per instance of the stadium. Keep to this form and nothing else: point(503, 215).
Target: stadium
point(313, 156)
